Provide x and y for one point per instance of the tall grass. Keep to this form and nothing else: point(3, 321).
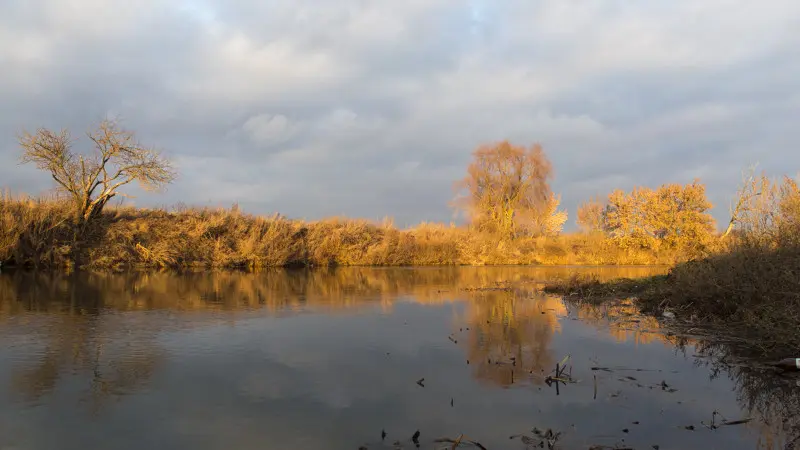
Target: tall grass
point(42, 233)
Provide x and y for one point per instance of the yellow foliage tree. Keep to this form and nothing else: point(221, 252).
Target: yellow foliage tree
point(673, 217)
point(507, 191)
point(550, 222)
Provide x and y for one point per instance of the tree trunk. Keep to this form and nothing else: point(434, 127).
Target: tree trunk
point(728, 230)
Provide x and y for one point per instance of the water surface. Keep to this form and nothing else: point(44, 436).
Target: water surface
point(330, 359)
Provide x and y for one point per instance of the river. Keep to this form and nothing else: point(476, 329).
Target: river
point(362, 358)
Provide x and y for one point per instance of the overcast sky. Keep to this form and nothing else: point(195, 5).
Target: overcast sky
point(372, 108)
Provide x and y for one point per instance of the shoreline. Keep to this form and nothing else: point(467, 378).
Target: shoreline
point(748, 324)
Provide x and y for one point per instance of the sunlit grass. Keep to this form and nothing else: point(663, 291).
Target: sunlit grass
point(42, 233)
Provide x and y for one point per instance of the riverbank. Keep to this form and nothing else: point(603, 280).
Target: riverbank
point(41, 233)
point(751, 293)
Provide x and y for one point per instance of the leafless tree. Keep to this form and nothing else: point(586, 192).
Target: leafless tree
point(92, 179)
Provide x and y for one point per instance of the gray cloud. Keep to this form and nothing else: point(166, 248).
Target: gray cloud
point(371, 109)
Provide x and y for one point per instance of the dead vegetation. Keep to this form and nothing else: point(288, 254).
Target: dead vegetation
point(44, 233)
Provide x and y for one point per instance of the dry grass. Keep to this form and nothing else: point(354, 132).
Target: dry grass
point(43, 233)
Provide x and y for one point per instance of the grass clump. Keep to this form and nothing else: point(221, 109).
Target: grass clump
point(595, 291)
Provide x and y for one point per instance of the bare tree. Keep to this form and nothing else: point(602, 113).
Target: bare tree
point(507, 187)
point(91, 180)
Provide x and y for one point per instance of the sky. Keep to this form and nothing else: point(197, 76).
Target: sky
point(366, 108)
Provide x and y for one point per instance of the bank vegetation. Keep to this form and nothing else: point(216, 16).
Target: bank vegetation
point(749, 288)
point(512, 217)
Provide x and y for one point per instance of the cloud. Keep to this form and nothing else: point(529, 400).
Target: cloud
point(267, 129)
point(371, 109)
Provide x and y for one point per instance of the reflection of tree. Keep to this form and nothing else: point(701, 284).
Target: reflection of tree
point(510, 332)
point(73, 316)
point(771, 400)
point(327, 289)
point(76, 319)
point(623, 321)
point(77, 339)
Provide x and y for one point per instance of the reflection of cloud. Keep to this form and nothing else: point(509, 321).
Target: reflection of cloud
point(326, 359)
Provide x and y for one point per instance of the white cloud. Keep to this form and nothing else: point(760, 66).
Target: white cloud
point(345, 106)
point(269, 129)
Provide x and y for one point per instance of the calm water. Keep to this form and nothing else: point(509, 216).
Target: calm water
point(329, 359)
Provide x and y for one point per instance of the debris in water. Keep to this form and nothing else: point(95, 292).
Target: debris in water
point(451, 402)
point(625, 430)
point(527, 440)
point(383, 435)
point(736, 422)
point(415, 438)
point(549, 436)
point(420, 381)
point(665, 387)
point(460, 439)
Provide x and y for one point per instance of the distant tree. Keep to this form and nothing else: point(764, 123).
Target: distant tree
point(91, 180)
point(507, 191)
point(672, 216)
point(590, 216)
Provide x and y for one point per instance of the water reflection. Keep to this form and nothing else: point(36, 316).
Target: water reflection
point(318, 343)
point(509, 336)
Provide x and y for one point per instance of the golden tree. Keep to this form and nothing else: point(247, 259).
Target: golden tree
point(590, 216)
point(672, 216)
point(92, 179)
point(507, 190)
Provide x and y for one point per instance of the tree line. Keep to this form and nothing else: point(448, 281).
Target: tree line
point(505, 193)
